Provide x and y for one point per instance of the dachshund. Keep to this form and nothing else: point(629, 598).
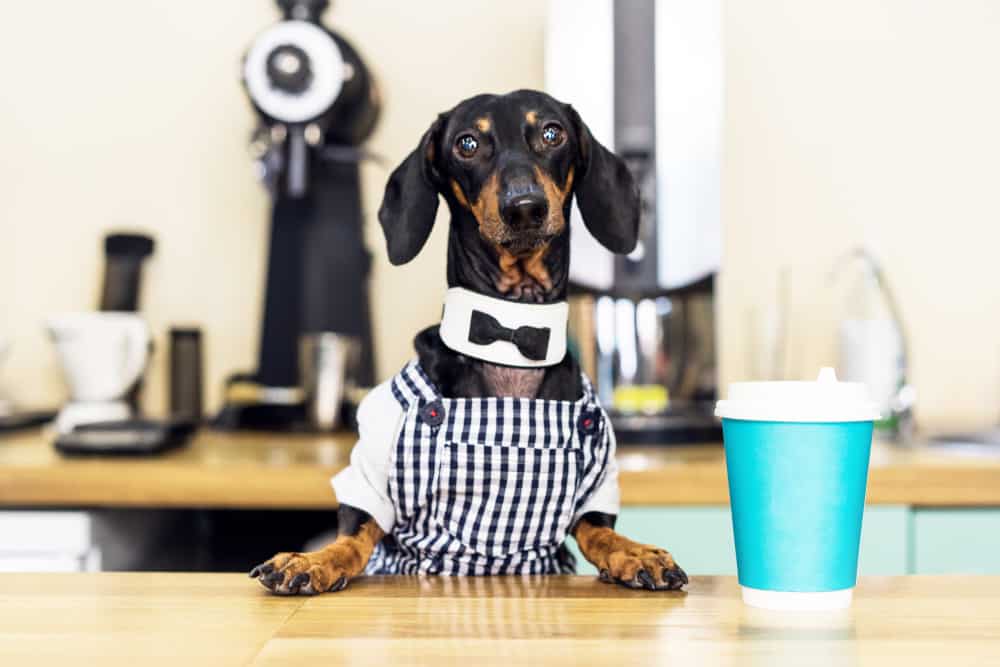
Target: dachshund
point(509, 167)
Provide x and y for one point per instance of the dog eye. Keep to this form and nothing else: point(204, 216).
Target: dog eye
point(553, 134)
point(467, 145)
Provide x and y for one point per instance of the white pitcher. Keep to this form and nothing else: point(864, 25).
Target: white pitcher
point(103, 355)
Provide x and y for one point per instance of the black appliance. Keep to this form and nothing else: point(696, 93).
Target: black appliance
point(317, 102)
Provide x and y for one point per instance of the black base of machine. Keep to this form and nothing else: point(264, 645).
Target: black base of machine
point(272, 417)
point(261, 417)
point(131, 437)
point(268, 417)
point(20, 421)
point(679, 425)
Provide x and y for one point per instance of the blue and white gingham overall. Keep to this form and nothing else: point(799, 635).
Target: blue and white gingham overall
point(488, 485)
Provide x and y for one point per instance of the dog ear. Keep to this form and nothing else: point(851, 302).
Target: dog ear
point(410, 202)
point(605, 191)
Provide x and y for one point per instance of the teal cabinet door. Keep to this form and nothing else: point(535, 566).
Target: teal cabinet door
point(885, 541)
point(956, 541)
point(701, 538)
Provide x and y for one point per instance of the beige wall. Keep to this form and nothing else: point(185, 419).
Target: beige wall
point(133, 116)
point(846, 122)
point(868, 122)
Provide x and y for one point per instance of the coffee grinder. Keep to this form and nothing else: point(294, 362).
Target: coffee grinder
point(316, 103)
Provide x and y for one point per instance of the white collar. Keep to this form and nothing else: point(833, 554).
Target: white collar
point(459, 304)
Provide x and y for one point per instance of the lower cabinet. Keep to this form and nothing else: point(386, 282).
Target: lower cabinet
point(885, 541)
point(956, 541)
point(701, 537)
point(47, 541)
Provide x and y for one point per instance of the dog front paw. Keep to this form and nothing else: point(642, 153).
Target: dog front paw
point(303, 573)
point(642, 566)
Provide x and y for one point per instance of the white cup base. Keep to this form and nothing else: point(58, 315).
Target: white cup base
point(797, 601)
point(77, 413)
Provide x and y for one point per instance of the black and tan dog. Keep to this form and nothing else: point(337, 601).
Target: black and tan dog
point(509, 167)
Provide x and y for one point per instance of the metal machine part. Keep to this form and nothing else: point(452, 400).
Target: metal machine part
point(654, 362)
point(635, 133)
point(328, 369)
point(647, 75)
point(311, 90)
point(293, 72)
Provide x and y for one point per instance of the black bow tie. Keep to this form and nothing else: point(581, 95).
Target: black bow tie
point(533, 342)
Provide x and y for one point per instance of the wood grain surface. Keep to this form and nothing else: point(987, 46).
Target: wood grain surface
point(289, 471)
point(226, 619)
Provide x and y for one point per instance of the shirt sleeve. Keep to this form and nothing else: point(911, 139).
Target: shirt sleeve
point(365, 482)
point(606, 497)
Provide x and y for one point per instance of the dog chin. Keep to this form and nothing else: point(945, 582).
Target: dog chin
point(524, 246)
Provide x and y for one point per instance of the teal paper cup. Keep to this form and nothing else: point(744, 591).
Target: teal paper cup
point(797, 460)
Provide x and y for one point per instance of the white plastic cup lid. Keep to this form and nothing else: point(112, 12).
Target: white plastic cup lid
point(825, 400)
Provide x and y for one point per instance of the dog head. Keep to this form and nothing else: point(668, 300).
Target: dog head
point(509, 167)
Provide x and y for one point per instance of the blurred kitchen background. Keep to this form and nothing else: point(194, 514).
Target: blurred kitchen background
point(838, 127)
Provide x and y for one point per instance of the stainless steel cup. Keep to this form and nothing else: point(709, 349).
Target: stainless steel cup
point(328, 365)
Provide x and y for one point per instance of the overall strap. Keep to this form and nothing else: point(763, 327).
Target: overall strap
point(414, 459)
point(589, 395)
point(412, 386)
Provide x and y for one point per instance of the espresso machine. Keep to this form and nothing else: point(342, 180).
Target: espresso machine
point(647, 76)
point(316, 103)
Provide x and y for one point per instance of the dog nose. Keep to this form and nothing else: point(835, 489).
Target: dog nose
point(525, 211)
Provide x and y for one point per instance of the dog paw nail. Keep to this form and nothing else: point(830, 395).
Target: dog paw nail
point(260, 570)
point(298, 581)
point(646, 580)
point(675, 578)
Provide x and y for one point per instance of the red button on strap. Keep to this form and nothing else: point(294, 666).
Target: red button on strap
point(432, 414)
point(588, 423)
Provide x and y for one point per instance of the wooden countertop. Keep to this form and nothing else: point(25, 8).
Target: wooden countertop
point(254, 470)
point(226, 619)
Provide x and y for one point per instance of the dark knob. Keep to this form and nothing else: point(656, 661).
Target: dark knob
point(303, 10)
point(288, 69)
